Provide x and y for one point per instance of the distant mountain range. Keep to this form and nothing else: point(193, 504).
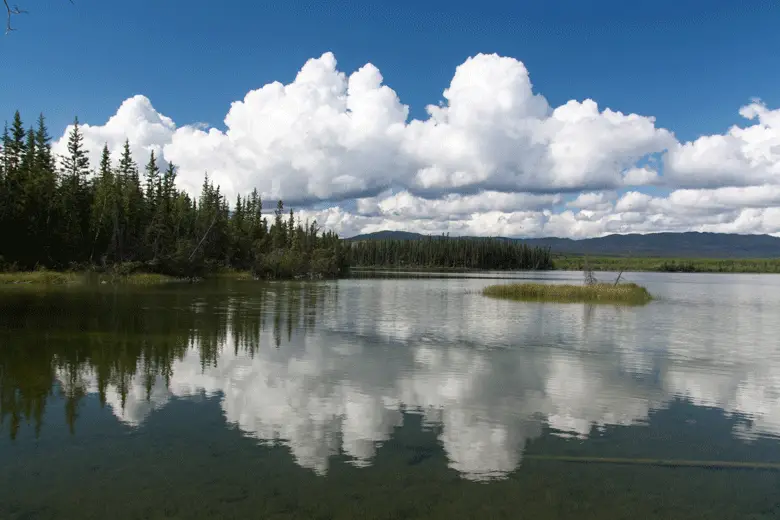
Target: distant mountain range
point(681, 245)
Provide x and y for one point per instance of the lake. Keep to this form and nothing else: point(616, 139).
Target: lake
point(390, 397)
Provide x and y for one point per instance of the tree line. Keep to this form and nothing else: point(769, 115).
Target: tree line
point(445, 252)
point(60, 213)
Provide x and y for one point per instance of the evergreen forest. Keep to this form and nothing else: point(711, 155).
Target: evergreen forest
point(63, 213)
point(450, 253)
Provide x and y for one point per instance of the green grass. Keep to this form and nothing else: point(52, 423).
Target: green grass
point(678, 265)
point(38, 278)
point(627, 293)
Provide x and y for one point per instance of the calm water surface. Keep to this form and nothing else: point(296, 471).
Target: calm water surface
point(390, 398)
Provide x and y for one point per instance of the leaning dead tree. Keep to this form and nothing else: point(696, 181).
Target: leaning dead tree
point(587, 272)
point(10, 12)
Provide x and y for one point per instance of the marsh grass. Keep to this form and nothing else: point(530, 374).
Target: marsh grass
point(626, 293)
point(40, 278)
point(47, 278)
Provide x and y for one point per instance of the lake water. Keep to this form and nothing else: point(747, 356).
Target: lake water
point(390, 398)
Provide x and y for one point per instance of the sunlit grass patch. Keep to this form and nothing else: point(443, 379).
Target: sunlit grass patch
point(626, 293)
point(45, 278)
point(40, 278)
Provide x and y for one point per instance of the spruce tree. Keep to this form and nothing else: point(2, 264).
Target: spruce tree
point(278, 230)
point(44, 188)
point(43, 146)
point(153, 182)
point(5, 155)
point(131, 204)
point(75, 197)
point(16, 145)
point(103, 208)
point(155, 217)
point(75, 165)
point(290, 229)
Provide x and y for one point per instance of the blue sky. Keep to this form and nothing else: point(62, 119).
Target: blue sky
point(690, 64)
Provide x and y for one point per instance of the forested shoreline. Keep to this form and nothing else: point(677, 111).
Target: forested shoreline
point(666, 264)
point(65, 214)
point(449, 253)
point(59, 213)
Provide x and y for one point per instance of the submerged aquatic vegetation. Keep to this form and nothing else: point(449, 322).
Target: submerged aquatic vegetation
point(627, 293)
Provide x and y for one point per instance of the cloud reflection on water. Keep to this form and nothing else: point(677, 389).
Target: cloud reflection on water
point(488, 375)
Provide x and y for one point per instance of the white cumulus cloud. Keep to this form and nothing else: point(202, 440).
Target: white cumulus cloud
point(492, 157)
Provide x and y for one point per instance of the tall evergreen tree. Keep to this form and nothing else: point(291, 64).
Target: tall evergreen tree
point(43, 146)
point(131, 204)
point(153, 182)
point(15, 146)
point(278, 230)
point(75, 197)
point(5, 152)
point(290, 229)
point(42, 189)
point(155, 217)
point(104, 208)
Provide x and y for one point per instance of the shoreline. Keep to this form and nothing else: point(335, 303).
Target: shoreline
point(64, 278)
point(610, 264)
point(597, 265)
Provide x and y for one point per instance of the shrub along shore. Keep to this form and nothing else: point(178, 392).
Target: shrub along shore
point(626, 293)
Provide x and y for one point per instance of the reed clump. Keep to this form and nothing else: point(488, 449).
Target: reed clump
point(625, 293)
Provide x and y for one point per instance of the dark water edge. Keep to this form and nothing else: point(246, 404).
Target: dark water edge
point(75, 454)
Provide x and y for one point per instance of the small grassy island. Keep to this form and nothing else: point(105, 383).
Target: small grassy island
point(625, 293)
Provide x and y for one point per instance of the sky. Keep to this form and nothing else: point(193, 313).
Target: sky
point(512, 118)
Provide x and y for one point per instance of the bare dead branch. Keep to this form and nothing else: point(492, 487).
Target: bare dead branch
point(10, 12)
point(622, 269)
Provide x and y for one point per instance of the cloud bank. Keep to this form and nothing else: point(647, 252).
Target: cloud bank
point(492, 157)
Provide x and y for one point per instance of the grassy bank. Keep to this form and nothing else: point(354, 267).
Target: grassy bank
point(40, 278)
point(669, 265)
point(81, 278)
point(627, 293)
